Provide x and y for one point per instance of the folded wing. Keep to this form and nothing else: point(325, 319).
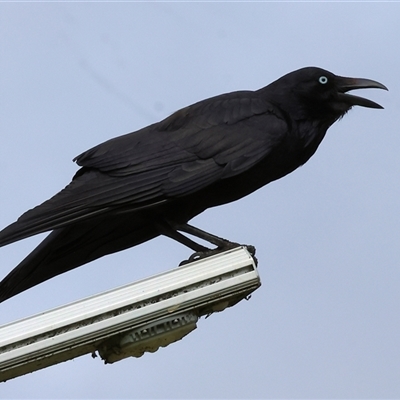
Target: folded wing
point(211, 140)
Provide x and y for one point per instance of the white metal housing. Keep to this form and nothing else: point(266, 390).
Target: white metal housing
point(129, 320)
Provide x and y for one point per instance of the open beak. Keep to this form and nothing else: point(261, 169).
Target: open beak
point(346, 84)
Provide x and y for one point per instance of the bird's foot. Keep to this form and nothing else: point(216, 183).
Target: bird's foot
point(199, 255)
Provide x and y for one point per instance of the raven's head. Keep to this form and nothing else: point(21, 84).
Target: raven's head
point(320, 94)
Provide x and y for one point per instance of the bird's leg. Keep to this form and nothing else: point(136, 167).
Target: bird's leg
point(200, 251)
point(167, 230)
point(222, 244)
point(170, 230)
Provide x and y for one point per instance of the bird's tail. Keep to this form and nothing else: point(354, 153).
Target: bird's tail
point(67, 248)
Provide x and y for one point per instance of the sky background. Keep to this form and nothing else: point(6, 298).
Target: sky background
point(325, 322)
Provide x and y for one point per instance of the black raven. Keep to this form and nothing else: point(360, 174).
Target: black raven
point(151, 182)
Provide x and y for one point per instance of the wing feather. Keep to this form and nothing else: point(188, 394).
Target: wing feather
point(191, 149)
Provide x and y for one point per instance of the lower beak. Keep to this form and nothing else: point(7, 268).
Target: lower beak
point(346, 84)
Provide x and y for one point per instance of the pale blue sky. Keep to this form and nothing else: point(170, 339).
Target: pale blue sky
point(325, 323)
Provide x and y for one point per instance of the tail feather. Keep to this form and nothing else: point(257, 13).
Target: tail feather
point(70, 247)
point(21, 230)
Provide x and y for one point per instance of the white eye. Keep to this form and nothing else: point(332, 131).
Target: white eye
point(323, 79)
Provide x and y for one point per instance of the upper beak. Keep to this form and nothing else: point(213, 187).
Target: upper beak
point(346, 84)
